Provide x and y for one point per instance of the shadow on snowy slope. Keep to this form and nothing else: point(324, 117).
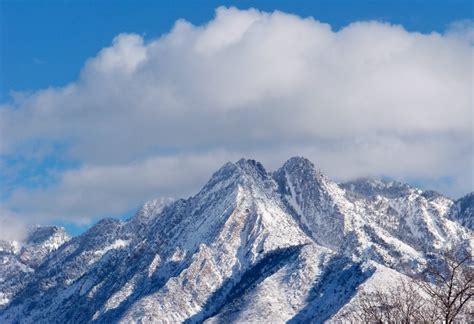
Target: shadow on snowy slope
point(336, 286)
point(233, 289)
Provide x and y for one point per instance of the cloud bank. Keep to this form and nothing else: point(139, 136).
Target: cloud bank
point(155, 118)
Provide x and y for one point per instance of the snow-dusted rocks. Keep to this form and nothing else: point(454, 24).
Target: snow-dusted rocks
point(40, 242)
point(18, 260)
point(251, 246)
point(463, 211)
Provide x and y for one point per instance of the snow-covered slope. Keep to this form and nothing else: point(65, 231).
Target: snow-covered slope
point(462, 211)
point(251, 246)
point(18, 260)
point(405, 217)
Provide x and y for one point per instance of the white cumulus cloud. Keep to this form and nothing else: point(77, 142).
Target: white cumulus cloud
point(156, 118)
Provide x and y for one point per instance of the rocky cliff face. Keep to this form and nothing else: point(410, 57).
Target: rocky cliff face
point(252, 245)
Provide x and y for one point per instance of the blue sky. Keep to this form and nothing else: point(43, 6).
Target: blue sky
point(50, 158)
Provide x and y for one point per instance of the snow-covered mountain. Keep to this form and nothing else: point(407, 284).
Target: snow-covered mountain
point(252, 246)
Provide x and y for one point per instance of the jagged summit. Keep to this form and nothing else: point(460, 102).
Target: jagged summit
point(298, 162)
point(250, 165)
point(40, 234)
point(302, 166)
point(40, 242)
point(254, 170)
point(250, 246)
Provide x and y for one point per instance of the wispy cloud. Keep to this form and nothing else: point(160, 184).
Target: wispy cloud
point(38, 61)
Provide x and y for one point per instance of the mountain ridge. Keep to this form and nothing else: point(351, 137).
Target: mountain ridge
point(216, 255)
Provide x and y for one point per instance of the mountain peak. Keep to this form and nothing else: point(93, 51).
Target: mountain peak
point(250, 165)
point(303, 167)
point(40, 234)
point(40, 242)
point(245, 172)
point(299, 161)
point(252, 168)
